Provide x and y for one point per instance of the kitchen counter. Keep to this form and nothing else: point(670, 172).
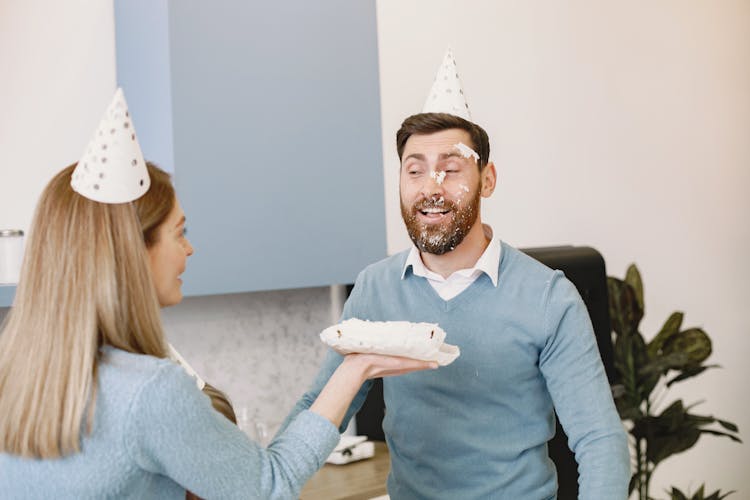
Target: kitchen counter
point(355, 481)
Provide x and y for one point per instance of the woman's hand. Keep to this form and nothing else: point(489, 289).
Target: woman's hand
point(379, 365)
point(338, 393)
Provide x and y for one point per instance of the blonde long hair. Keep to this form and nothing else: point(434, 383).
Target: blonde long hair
point(85, 283)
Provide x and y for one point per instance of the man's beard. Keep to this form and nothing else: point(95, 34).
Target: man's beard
point(445, 236)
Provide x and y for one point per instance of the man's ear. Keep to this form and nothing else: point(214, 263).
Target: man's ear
point(488, 177)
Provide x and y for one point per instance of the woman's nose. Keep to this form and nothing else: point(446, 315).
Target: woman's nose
point(188, 248)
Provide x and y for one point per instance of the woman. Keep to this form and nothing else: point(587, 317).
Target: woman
point(154, 209)
point(90, 407)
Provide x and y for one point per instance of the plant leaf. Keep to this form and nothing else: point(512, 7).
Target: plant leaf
point(614, 290)
point(671, 326)
point(624, 311)
point(631, 485)
point(630, 356)
point(661, 446)
point(633, 278)
point(662, 364)
point(720, 433)
point(689, 372)
point(674, 431)
point(677, 494)
point(626, 410)
point(700, 493)
point(693, 342)
point(728, 425)
point(649, 373)
point(648, 385)
point(718, 492)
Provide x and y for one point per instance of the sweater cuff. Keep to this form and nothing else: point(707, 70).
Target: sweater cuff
point(317, 432)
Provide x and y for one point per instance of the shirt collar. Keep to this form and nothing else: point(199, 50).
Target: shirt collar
point(488, 263)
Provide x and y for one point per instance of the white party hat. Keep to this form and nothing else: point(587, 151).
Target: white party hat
point(112, 169)
point(447, 95)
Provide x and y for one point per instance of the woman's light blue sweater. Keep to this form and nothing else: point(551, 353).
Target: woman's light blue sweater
point(155, 434)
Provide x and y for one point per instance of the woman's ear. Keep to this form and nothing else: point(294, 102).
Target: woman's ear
point(488, 177)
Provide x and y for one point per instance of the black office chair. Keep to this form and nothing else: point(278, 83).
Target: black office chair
point(584, 267)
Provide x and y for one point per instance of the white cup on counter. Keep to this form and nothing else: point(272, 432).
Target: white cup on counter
point(11, 255)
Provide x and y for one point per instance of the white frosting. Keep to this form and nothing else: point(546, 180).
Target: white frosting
point(466, 151)
point(423, 341)
point(438, 176)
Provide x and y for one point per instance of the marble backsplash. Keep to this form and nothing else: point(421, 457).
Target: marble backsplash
point(262, 348)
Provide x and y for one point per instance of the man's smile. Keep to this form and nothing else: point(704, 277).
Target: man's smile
point(433, 214)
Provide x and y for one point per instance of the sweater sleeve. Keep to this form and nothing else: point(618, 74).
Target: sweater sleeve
point(331, 362)
point(173, 430)
point(575, 378)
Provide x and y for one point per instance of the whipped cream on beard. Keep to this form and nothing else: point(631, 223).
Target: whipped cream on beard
point(443, 236)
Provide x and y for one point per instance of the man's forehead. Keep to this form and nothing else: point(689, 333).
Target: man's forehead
point(442, 142)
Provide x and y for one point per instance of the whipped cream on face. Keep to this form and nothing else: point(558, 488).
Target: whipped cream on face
point(466, 151)
point(438, 176)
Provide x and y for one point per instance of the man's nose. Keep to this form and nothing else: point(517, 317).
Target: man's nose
point(433, 184)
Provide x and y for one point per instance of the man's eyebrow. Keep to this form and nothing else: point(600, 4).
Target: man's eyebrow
point(453, 154)
point(416, 156)
point(441, 156)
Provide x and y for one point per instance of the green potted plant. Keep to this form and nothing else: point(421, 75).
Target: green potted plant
point(673, 355)
point(698, 495)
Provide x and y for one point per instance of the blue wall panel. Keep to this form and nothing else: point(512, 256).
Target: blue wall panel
point(277, 145)
point(7, 294)
point(142, 46)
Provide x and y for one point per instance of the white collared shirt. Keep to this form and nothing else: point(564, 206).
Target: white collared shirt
point(449, 287)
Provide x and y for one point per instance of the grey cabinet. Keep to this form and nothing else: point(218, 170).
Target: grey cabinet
point(269, 114)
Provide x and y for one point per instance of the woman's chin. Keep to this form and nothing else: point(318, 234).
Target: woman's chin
point(172, 299)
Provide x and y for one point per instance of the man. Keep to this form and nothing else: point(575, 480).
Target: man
point(479, 427)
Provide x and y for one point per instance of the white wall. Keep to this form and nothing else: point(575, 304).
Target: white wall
point(623, 126)
point(57, 75)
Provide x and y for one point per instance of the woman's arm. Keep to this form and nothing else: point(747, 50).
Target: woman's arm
point(338, 393)
point(172, 430)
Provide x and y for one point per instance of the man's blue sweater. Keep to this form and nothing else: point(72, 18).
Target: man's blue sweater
point(479, 427)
